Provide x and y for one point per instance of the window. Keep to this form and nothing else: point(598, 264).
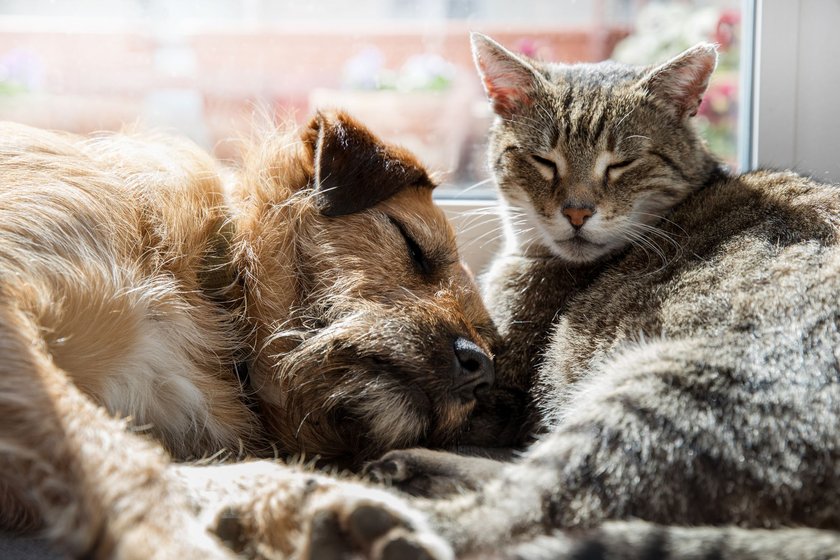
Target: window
point(213, 68)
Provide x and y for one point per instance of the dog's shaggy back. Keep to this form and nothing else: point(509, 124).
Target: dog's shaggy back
point(96, 232)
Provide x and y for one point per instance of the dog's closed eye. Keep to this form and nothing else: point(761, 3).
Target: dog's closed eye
point(418, 256)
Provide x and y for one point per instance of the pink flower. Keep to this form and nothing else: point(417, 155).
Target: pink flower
point(528, 47)
point(719, 101)
point(726, 33)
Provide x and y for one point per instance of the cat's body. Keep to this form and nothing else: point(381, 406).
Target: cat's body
point(701, 385)
point(679, 326)
point(748, 263)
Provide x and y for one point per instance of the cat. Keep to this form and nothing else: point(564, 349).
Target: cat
point(677, 326)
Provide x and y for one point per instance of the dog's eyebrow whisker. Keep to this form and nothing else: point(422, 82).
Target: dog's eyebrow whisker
point(302, 422)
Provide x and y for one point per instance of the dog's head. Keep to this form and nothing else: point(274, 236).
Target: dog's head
point(369, 334)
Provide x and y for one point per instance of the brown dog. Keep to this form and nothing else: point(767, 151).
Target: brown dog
point(318, 306)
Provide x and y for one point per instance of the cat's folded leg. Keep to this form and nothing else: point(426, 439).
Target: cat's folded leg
point(427, 473)
point(675, 432)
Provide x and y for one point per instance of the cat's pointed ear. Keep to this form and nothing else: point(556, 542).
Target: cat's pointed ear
point(682, 81)
point(354, 169)
point(509, 80)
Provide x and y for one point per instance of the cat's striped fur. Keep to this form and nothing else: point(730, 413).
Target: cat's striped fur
point(690, 374)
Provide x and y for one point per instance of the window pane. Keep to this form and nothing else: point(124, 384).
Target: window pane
point(212, 69)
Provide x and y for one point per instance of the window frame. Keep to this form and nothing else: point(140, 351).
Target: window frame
point(796, 122)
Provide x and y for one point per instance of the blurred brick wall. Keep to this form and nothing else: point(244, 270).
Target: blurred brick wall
point(99, 79)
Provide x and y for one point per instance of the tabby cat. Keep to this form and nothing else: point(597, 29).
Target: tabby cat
point(681, 323)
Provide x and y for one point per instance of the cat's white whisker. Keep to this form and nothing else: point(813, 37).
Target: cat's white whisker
point(636, 237)
point(481, 212)
point(492, 231)
point(660, 233)
point(661, 218)
point(471, 226)
point(472, 187)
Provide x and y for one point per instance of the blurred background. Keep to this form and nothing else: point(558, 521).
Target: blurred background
point(212, 68)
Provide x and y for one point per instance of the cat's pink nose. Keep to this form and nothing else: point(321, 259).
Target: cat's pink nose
point(577, 216)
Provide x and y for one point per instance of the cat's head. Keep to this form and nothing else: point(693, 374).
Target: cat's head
point(590, 157)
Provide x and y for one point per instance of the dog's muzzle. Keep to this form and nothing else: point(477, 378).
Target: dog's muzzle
point(473, 370)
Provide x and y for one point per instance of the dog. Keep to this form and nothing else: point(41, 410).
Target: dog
point(153, 314)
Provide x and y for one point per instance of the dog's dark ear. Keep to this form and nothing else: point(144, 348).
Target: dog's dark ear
point(354, 170)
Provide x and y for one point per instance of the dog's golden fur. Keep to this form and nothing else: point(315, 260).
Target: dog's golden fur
point(132, 284)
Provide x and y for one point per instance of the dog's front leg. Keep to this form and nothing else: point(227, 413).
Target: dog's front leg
point(99, 491)
point(264, 509)
point(72, 470)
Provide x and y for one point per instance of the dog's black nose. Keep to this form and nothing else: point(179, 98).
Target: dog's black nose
point(474, 370)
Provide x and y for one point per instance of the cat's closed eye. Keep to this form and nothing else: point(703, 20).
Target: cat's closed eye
point(614, 170)
point(547, 167)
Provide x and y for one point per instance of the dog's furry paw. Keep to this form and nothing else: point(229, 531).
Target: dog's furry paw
point(370, 525)
point(427, 473)
point(266, 510)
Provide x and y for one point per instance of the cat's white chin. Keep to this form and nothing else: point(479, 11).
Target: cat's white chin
point(579, 251)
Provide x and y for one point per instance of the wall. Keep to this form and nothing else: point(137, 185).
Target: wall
point(797, 116)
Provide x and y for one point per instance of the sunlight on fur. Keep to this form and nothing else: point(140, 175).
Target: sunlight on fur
point(155, 307)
